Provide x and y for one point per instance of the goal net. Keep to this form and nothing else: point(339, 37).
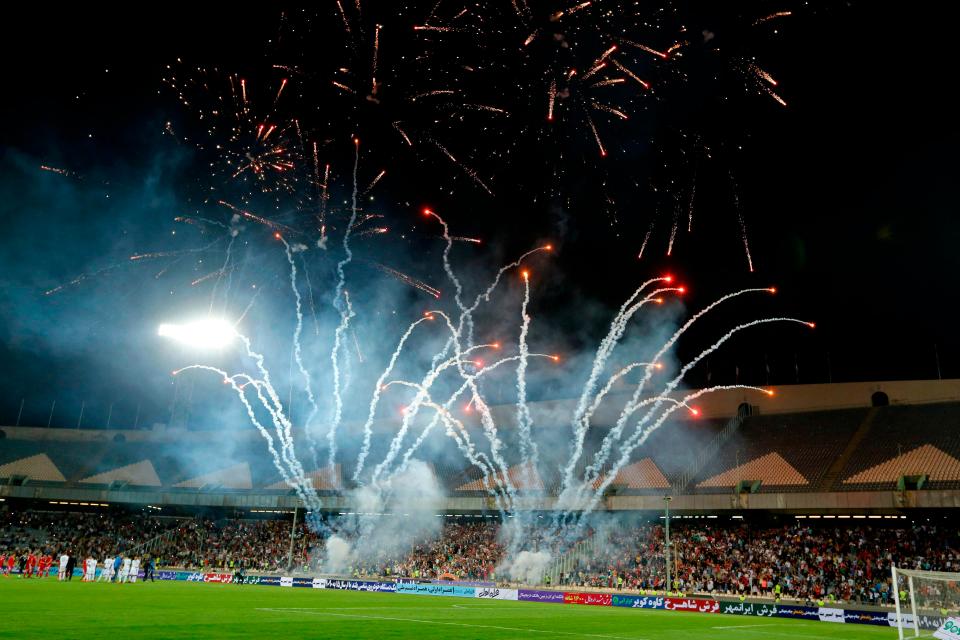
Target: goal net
point(924, 599)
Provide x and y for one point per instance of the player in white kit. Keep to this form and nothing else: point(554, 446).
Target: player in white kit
point(134, 569)
point(90, 570)
point(125, 570)
point(62, 574)
point(106, 575)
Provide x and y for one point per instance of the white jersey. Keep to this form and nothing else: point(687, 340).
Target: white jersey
point(90, 573)
point(107, 571)
point(134, 570)
point(125, 570)
point(64, 559)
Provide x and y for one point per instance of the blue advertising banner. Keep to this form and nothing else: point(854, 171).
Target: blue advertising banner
point(638, 602)
point(361, 585)
point(530, 595)
point(436, 590)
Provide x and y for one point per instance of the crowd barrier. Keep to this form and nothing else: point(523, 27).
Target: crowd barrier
point(468, 590)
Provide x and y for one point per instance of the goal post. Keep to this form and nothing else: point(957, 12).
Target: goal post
point(924, 595)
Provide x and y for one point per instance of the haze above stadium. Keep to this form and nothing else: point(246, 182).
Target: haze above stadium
point(844, 194)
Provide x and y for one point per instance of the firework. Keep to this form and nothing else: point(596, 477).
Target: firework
point(772, 16)
point(406, 279)
point(463, 95)
point(63, 172)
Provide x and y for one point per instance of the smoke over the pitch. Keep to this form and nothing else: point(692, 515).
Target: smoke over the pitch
point(389, 520)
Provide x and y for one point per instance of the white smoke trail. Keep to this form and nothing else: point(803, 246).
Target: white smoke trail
point(283, 425)
point(598, 399)
point(529, 453)
point(461, 437)
point(458, 288)
point(640, 435)
point(632, 404)
point(223, 272)
point(617, 327)
point(374, 401)
point(485, 295)
point(297, 353)
point(486, 417)
point(592, 469)
point(452, 400)
point(301, 485)
point(631, 445)
point(412, 409)
point(345, 316)
point(313, 308)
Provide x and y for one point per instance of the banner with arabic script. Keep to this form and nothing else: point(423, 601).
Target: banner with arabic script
point(497, 594)
point(731, 607)
point(531, 595)
point(638, 602)
point(692, 604)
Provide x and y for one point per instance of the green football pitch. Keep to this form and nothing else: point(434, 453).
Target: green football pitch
point(47, 608)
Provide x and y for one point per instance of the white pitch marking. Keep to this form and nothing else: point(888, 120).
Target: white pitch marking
point(451, 624)
point(743, 626)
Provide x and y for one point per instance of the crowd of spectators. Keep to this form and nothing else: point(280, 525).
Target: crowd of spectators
point(797, 561)
point(848, 563)
point(464, 551)
point(190, 543)
point(83, 535)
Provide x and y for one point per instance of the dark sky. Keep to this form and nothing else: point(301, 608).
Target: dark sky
point(847, 193)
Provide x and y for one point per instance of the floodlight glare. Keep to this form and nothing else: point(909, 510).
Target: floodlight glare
point(209, 333)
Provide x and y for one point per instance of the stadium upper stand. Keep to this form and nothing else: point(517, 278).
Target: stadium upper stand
point(824, 440)
point(908, 440)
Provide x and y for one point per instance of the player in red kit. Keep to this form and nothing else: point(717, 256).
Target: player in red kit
point(31, 564)
point(11, 561)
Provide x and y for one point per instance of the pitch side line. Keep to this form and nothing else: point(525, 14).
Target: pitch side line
point(316, 612)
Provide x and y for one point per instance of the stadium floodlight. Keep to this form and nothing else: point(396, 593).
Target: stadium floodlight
point(207, 333)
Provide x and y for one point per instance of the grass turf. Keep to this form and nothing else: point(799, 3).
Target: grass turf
point(41, 608)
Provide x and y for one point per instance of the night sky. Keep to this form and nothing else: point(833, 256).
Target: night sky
point(846, 193)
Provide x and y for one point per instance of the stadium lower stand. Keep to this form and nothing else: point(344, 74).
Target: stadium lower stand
point(840, 561)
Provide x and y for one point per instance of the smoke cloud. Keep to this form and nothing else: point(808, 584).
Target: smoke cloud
point(390, 519)
point(526, 567)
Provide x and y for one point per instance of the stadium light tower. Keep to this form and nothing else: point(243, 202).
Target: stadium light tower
point(207, 333)
point(666, 506)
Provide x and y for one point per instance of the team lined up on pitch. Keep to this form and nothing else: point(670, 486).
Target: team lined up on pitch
point(119, 569)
